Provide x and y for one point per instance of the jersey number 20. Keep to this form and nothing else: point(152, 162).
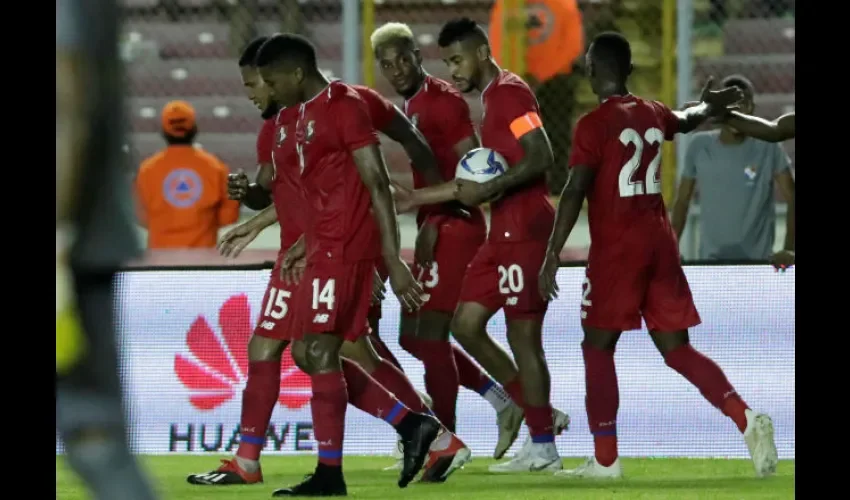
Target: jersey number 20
point(628, 186)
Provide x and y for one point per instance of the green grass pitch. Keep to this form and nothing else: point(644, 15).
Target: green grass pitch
point(655, 479)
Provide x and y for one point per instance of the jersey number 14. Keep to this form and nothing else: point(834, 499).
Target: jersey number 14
point(628, 186)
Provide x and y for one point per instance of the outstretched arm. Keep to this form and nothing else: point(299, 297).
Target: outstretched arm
point(714, 103)
point(402, 131)
point(778, 130)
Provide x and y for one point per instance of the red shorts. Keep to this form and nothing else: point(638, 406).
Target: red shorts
point(505, 275)
point(627, 282)
point(442, 281)
point(334, 298)
point(277, 314)
point(375, 309)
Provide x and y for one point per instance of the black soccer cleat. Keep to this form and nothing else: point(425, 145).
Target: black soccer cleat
point(419, 434)
point(325, 482)
point(228, 474)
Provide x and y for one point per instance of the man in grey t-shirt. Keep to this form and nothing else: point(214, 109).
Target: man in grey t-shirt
point(736, 176)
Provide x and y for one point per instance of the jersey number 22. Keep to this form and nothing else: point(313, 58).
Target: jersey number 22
point(628, 186)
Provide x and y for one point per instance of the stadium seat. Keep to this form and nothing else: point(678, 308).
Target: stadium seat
point(214, 114)
point(759, 36)
point(770, 73)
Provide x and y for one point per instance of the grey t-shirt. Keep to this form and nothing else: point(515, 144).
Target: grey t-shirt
point(736, 186)
point(106, 234)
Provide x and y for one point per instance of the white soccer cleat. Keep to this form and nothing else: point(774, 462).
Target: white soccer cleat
point(561, 423)
point(535, 457)
point(591, 469)
point(759, 439)
point(509, 421)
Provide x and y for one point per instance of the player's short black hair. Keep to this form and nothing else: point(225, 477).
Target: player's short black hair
point(249, 53)
point(461, 30)
point(740, 81)
point(287, 48)
point(612, 50)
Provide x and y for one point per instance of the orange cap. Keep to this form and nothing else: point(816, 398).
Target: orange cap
point(178, 118)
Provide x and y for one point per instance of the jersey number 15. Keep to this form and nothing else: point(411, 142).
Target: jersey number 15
point(628, 186)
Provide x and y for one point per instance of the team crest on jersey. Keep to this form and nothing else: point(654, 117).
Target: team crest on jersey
point(310, 126)
point(281, 135)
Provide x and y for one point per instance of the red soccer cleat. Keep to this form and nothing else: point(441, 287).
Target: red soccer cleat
point(448, 454)
point(228, 474)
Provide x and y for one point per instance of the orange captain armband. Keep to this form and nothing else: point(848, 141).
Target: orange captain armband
point(525, 124)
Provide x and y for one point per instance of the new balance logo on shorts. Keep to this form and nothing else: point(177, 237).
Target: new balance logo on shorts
point(321, 318)
point(267, 325)
point(511, 301)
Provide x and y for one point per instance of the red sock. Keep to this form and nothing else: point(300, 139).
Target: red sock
point(384, 351)
point(470, 375)
point(540, 424)
point(395, 381)
point(441, 375)
point(328, 404)
point(602, 401)
point(710, 380)
point(514, 390)
point(258, 400)
point(367, 394)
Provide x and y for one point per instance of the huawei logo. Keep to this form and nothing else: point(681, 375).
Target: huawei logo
point(217, 369)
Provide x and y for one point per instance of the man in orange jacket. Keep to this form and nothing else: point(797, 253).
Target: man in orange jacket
point(182, 190)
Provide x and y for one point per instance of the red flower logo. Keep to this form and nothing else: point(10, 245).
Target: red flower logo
point(220, 369)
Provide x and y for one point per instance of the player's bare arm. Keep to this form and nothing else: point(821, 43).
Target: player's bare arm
point(786, 258)
point(256, 195)
point(402, 131)
point(778, 130)
point(236, 239)
point(679, 215)
point(714, 103)
point(572, 197)
point(408, 199)
point(537, 160)
point(411, 199)
point(373, 172)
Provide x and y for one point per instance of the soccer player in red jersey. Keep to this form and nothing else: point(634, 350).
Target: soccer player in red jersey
point(330, 152)
point(503, 274)
point(273, 331)
point(446, 243)
point(633, 269)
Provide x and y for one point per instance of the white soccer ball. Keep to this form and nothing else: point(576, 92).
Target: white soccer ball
point(481, 165)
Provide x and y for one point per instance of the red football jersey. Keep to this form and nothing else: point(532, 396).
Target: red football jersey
point(286, 191)
point(524, 213)
point(622, 140)
point(265, 142)
point(290, 203)
point(441, 114)
point(381, 110)
point(328, 128)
